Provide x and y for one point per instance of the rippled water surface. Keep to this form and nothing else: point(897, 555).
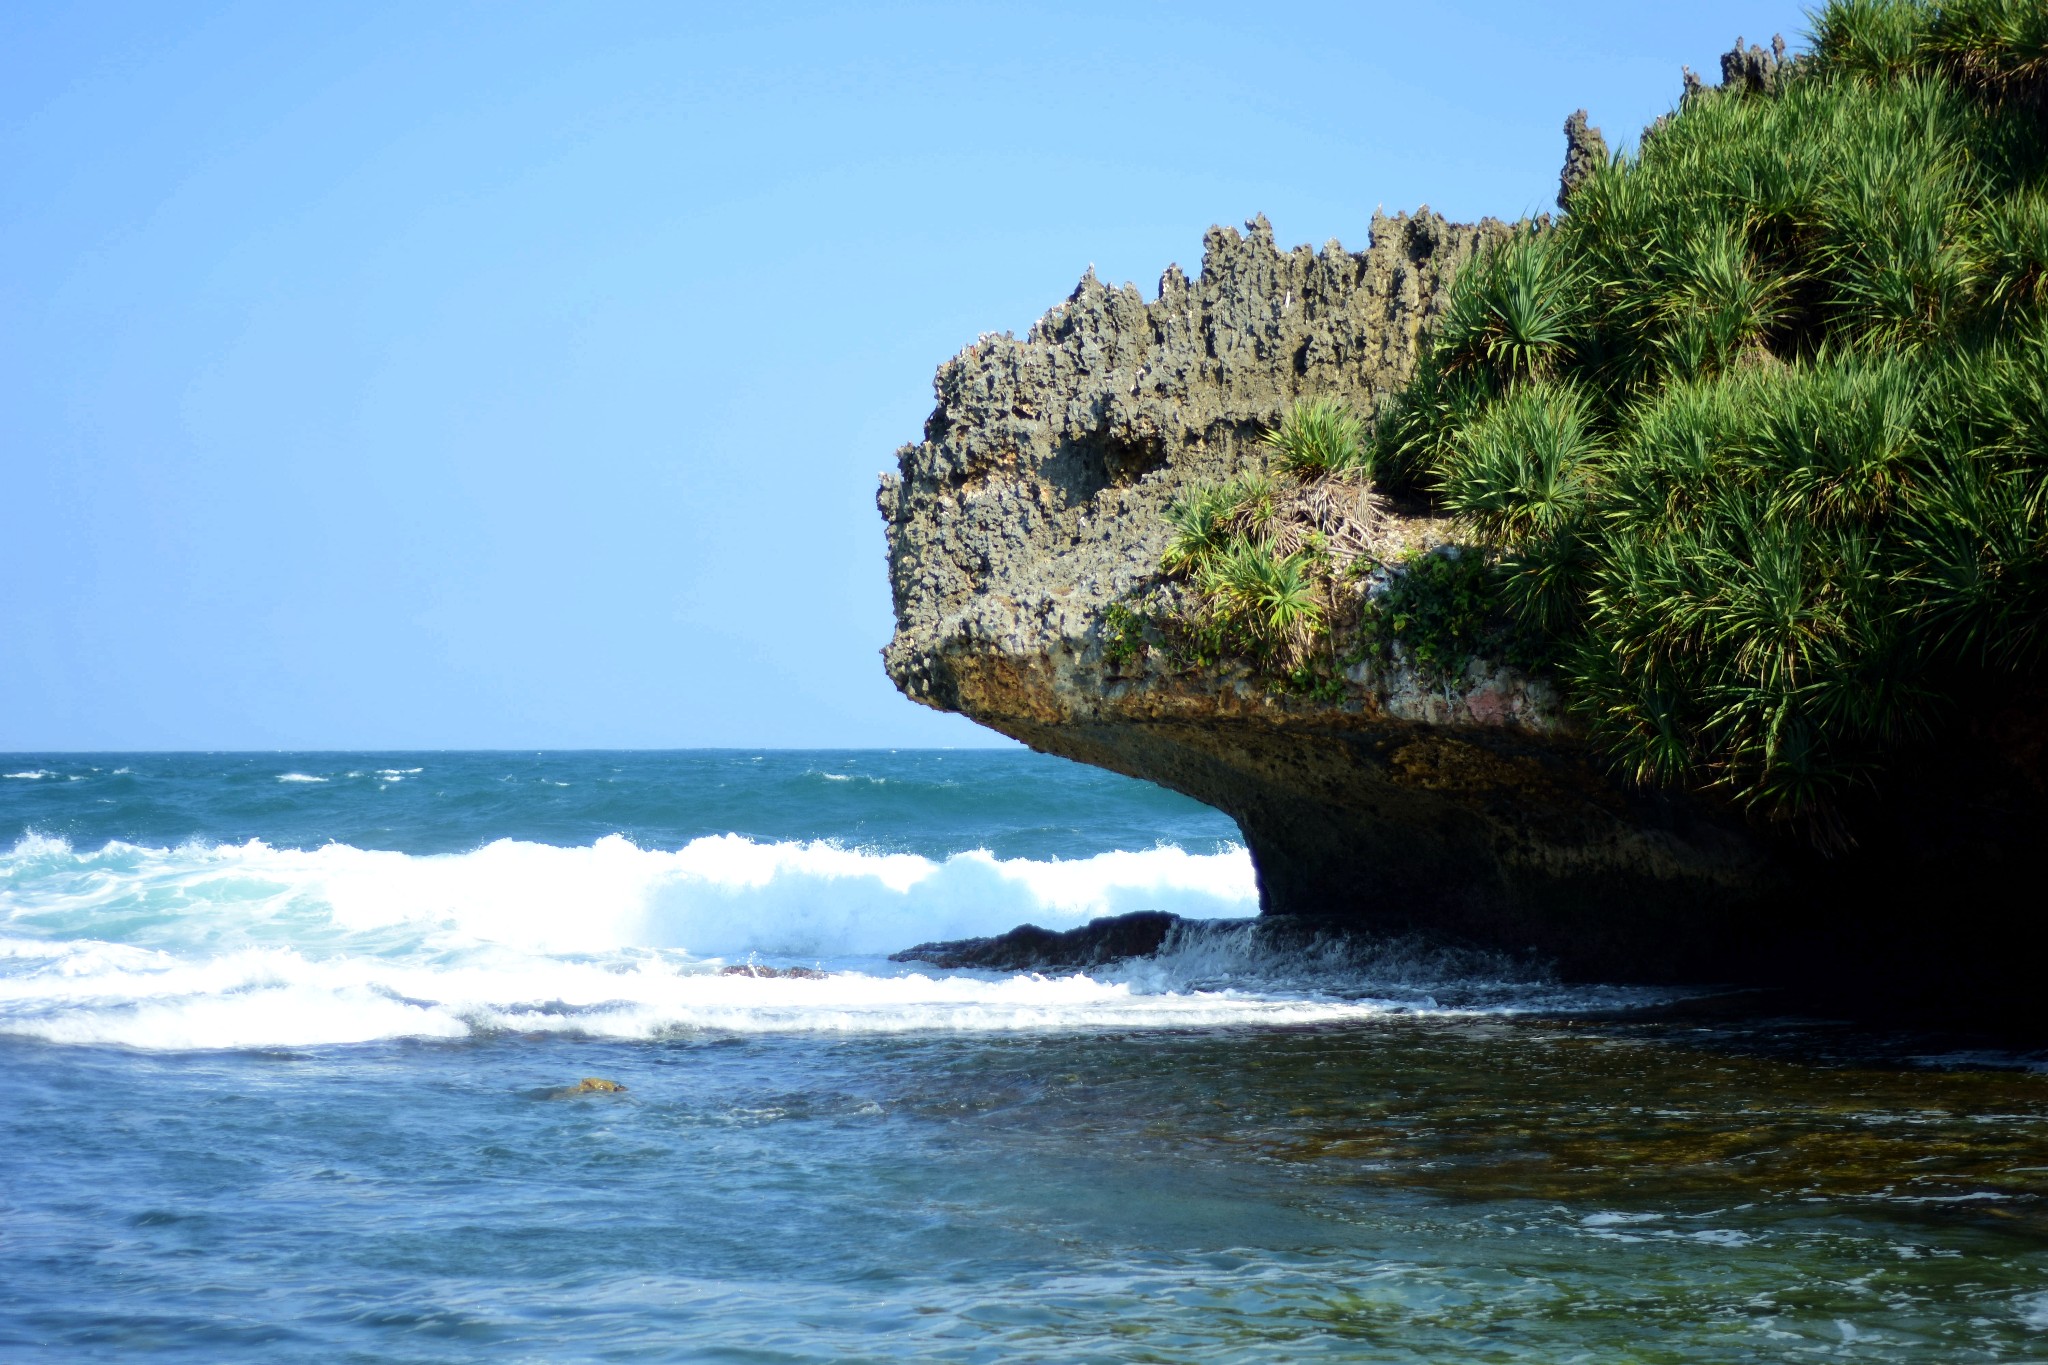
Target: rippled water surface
point(305, 1100)
point(1408, 1189)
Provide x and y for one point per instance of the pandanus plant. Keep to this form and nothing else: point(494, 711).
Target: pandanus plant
point(1319, 437)
point(1261, 551)
point(1758, 430)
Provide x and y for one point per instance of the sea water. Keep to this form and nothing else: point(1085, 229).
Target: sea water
point(291, 1041)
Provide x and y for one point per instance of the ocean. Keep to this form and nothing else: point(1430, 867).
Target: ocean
point(293, 1045)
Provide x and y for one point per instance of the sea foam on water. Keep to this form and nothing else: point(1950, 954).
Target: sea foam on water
point(228, 945)
point(248, 945)
point(714, 897)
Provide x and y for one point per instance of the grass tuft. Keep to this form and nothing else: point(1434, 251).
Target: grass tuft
point(1318, 437)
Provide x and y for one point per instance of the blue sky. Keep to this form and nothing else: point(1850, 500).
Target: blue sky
point(501, 375)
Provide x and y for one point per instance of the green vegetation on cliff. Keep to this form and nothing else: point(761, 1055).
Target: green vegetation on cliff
point(1753, 439)
point(1758, 430)
point(1261, 559)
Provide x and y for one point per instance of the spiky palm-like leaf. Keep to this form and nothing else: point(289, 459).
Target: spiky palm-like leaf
point(1980, 545)
point(1718, 305)
point(1836, 441)
point(1527, 466)
point(1876, 41)
point(2014, 247)
point(1253, 506)
point(1515, 311)
point(1200, 521)
point(1317, 436)
point(1272, 600)
point(1998, 45)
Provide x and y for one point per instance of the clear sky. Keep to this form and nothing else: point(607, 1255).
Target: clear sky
point(505, 375)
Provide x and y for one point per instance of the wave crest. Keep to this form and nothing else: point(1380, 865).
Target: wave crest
point(716, 897)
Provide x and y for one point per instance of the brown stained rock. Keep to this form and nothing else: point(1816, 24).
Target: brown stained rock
point(1434, 762)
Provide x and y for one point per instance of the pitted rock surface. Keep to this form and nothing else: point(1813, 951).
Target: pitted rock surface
point(1585, 151)
point(1039, 493)
point(1752, 69)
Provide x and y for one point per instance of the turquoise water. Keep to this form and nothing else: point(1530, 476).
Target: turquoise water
point(931, 803)
point(287, 1038)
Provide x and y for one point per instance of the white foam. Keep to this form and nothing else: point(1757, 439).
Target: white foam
point(245, 945)
point(271, 999)
point(299, 777)
point(30, 776)
point(33, 846)
point(717, 896)
point(1722, 1237)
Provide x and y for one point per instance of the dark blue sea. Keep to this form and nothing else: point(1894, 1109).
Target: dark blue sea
point(292, 1046)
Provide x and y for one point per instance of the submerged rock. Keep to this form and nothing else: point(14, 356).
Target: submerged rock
point(589, 1085)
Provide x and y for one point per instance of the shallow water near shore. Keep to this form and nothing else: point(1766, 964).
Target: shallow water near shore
point(301, 1100)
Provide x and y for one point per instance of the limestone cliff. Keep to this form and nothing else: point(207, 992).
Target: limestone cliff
point(1036, 500)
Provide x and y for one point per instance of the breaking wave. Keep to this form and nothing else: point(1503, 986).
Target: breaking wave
point(246, 945)
point(715, 897)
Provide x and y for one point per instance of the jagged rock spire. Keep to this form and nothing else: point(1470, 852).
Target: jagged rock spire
point(1585, 152)
point(1751, 68)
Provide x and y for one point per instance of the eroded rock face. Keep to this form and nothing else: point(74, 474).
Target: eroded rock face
point(1468, 809)
point(1038, 495)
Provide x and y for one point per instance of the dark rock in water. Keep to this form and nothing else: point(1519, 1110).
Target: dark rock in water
point(786, 973)
point(1030, 948)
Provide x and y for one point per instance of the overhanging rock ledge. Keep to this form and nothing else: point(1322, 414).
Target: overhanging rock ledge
point(1469, 812)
